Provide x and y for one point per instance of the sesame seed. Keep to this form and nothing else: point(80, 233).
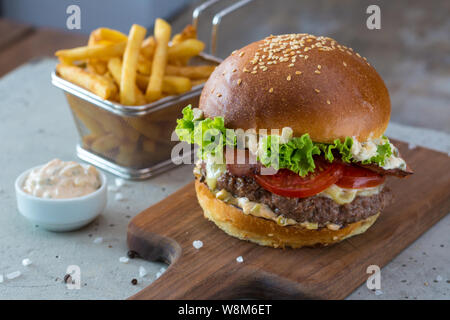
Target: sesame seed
point(328, 102)
point(254, 71)
point(298, 72)
point(317, 90)
point(319, 66)
point(234, 70)
point(239, 81)
point(219, 95)
point(271, 90)
point(317, 72)
point(358, 55)
point(288, 78)
point(234, 52)
point(245, 70)
point(344, 63)
point(291, 65)
point(241, 53)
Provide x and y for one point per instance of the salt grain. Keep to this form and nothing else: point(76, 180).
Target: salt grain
point(26, 262)
point(13, 275)
point(124, 259)
point(240, 259)
point(438, 278)
point(113, 188)
point(98, 240)
point(197, 244)
point(119, 182)
point(119, 197)
point(378, 292)
point(160, 272)
point(142, 272)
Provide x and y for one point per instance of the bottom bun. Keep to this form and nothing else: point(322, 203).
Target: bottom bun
point(265, 232)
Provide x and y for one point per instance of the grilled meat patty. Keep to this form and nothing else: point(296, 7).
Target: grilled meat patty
point(311, 209)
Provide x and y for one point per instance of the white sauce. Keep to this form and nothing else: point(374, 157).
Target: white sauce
point(62, 180)
point(394, 161)
point(213, 171)
point(365, 150)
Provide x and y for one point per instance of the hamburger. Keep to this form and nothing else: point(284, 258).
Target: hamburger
point(291, 146)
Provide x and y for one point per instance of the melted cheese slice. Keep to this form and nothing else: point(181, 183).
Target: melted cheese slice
point(344, 195)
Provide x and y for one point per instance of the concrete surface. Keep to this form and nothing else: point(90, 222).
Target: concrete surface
point(36, 126)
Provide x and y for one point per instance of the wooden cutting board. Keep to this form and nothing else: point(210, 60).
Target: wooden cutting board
point(166, 231)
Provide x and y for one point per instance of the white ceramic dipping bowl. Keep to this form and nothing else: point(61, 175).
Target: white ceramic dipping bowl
point(60, 214)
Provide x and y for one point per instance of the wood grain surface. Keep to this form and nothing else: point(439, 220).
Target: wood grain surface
point(20, 43)
point(166, 231)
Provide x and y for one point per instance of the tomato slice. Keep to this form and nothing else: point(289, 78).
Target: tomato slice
point(356, 178)
point(289, 184)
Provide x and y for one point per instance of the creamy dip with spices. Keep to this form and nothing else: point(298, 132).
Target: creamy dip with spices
point(62, 180)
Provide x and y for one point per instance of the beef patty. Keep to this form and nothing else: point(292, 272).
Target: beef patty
point(311, 209)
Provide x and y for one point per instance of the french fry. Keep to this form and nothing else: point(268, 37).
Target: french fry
point(198, 81)
point(95, 65)
point(95, 128)
point(115, 68)
point(134, 70)
point(189, 32)
point(148, 47)
point(89, 52)
point(171, 84)
point(148, 145)
point(88, 140)
point(192, 72)
point(95, 83)
point(126, 155)
point(162, 36)
point(144, 65)
point(176, 85)
point(105, 144)
point(142, 81)
point(129, 65)
point(145, 127)
point(185, 50)
point(111, 35)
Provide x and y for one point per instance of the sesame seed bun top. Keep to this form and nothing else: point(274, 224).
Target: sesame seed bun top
point(312, 84)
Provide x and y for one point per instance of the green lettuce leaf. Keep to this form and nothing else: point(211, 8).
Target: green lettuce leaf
point(207, 133)
point(295, 155)
point(343, 148)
